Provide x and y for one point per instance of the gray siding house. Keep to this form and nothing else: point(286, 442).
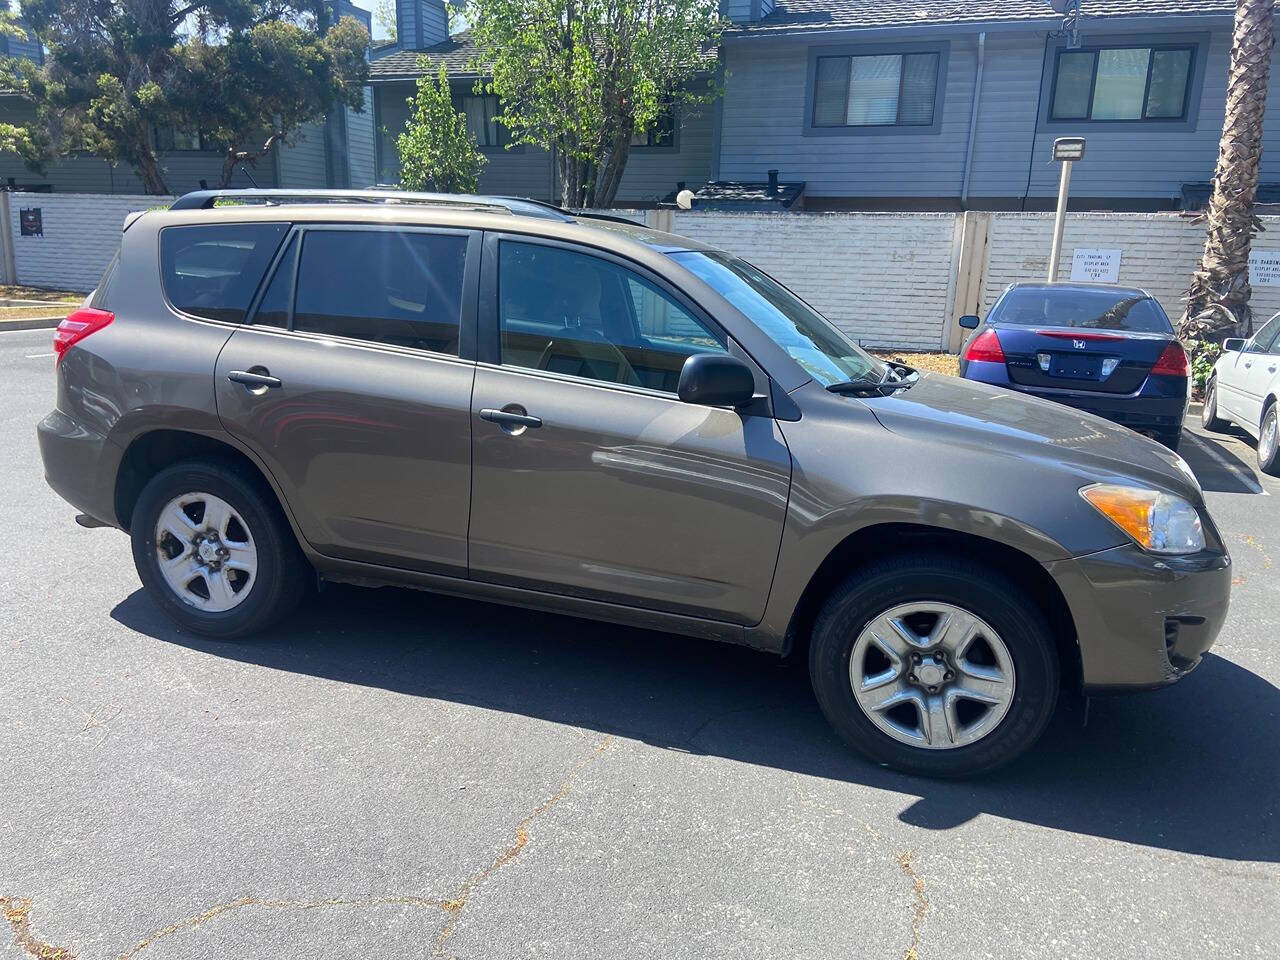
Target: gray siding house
point(856, 104)
point(954, 104)
point(336, 153)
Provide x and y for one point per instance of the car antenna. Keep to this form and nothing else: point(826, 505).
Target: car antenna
point(245, 170)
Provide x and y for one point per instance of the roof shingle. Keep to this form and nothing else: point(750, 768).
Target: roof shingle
point(456, 54)
point(868, 14)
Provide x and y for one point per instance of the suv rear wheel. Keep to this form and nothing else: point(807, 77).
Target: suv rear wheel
point(934, 666)
point(214, 551)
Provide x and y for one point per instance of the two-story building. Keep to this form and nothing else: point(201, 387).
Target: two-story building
point(899, 104)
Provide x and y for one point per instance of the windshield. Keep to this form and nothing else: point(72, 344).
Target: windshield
point(1073, 307)
point(826, 354)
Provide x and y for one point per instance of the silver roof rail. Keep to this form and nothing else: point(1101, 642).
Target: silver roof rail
point(206, 199)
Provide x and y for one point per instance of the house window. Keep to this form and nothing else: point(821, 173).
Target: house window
point(482, 111)
point(169, 137)
point(1122, 83)
point(885, 90)
point(661, 132)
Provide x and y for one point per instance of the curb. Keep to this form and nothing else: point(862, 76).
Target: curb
point(31, 323)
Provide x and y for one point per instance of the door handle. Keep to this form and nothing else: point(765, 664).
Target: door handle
point(251, 379)
point(510, 418)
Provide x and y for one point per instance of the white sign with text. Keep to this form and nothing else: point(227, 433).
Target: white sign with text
point(1264, 268)
point(1095, 265)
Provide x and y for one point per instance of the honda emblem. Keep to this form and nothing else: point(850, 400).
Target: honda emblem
point(1078, 344)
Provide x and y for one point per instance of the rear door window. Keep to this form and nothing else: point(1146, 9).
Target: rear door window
point(212, 270)
point(396, 287)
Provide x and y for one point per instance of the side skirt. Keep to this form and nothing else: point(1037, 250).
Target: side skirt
point(373, 575)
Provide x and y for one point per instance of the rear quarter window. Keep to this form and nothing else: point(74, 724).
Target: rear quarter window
point(211, 271)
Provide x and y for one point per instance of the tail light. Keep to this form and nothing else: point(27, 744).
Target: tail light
point(76, 327)
point(1172, 362)
point(985, 346)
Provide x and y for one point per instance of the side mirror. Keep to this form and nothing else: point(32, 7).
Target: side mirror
point(716, 380)
point(970, 322)
point(1233, 345)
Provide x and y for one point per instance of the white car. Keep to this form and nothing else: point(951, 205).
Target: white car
point(1243, 389)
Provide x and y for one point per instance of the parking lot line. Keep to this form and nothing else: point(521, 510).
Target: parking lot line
point(1245, 476)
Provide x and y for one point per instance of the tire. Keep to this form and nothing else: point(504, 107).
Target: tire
point(1171, 439)
point(254, 573)
point(1209, 418)
point(1269, 442)
point(1030, 662)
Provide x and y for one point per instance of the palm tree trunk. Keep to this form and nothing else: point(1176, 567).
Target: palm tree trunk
point(1218, 301)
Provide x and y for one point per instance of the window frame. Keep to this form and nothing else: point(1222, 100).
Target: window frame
point(458, 94)
point(204, 146)
point(1196, 43)
point(489, 344)
point(251, 308)
point(673, 146)
point(941, 48)
point(467, 313)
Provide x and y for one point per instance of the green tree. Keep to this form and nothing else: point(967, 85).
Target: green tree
point(437, 152)
point(582, 77)
point(118, 69)
point(258, 87)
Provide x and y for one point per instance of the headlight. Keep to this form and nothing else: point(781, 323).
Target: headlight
point(1159, 522)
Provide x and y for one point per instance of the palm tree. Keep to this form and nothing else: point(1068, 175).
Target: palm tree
point(1218, 301)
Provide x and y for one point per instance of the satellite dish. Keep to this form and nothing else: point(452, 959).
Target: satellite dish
point(684, 199)
point(1062, 6)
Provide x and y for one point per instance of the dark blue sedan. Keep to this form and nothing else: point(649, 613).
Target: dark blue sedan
point(1108, 350)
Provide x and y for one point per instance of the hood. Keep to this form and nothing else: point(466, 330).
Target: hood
point(953, 411)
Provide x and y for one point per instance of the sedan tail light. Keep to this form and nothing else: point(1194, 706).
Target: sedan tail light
point(76, 327)
point(1172, 362)
point(985, 346)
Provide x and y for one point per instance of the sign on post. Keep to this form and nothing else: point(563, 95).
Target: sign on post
point(1264, 268)
point(1095, 265)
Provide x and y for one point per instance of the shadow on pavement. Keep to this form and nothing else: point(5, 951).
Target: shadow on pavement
point(1218, 468)
point(1192, 768)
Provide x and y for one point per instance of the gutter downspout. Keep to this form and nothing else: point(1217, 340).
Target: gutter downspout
point(973, 120)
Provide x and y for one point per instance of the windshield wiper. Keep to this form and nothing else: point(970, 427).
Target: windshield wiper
point(897, 376)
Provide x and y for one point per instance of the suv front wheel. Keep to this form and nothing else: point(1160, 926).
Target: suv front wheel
point(934, 665)
point(214, 551)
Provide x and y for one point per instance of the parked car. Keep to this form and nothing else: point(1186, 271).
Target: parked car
point(1105, 349)
point(502, 400)
point(1243, 389)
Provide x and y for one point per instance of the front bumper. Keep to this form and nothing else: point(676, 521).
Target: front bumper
point(1141, 620)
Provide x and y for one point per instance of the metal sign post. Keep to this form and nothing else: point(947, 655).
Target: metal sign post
point(1067, 150)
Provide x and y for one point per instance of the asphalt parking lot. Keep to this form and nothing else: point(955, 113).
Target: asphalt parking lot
point(396, 774)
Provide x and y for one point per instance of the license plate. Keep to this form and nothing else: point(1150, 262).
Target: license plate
point(1075, 367)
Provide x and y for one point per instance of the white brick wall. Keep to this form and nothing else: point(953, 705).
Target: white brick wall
point(886, 279)
point(81, 234)
point(1159, 252)
point(883, 278)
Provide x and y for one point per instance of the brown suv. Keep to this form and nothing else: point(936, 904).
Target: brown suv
point(500, 399)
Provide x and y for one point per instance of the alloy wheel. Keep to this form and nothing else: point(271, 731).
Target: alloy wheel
point(206, 552)
point(1209, 409)
point(1268, 437)
point(932, 675)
